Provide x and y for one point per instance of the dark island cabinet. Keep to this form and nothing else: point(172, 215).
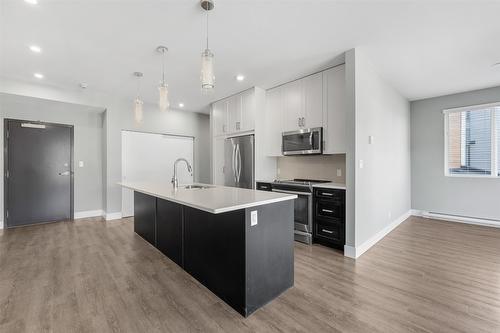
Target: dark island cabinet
point(246, 261)
point(169, 230)
point(145, 217)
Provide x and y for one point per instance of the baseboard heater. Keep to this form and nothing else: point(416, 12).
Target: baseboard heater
point(461, 219)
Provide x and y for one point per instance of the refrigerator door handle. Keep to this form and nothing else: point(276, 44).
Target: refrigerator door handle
point(234, 163)
point(239, 161)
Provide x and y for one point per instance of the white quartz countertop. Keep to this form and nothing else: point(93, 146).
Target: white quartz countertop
point(216, 199)
point(337, 186)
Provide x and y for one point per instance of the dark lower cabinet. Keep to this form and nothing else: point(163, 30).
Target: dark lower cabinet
point(145, 217)
point(329, 217)
point(214, 253)
point(169, 229)
point(246, 265)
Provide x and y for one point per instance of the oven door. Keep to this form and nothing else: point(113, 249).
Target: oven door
point(302, 210)
point(303, 142)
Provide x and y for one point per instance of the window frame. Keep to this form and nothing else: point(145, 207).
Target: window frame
point(494, 140)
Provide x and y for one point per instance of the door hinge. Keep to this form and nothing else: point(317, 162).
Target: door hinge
point(7, 174)
point(7, 214)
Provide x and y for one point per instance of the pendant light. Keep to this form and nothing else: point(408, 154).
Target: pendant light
point(163, 101)
point(138, 112)
point(207, 57)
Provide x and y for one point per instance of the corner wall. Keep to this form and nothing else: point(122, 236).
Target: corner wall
point(432, 191)
point(381, 191)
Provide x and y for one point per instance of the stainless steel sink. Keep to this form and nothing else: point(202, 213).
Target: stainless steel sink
point(196, 187)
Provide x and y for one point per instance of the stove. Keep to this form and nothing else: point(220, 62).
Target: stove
point(303, 206)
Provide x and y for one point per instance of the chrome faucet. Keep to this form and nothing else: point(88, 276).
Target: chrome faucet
point(175, 181)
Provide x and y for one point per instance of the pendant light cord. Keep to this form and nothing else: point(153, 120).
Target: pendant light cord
point(207, 29)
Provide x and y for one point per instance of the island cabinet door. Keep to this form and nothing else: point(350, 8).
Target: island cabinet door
point(145, 217)
point(214, 253)
point(169, 230)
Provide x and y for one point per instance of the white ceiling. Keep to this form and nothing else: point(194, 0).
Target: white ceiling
point(423, 48)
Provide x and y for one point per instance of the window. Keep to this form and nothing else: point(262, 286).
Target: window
point(472, 138)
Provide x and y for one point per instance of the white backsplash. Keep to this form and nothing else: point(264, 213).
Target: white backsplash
point(312, 167)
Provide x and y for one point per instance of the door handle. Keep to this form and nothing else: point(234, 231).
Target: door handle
point(239, 161)
point(65, 173)
point(234, 163)
point(327, 210)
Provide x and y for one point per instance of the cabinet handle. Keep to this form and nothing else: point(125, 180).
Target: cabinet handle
point(223, 128)
point(327, 210)
point(299, 122)
point(327, 231)
point(326, 194)
point(303, 122)
point(238, 125)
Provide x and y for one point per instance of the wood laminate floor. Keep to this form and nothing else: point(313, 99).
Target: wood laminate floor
point(96, 276)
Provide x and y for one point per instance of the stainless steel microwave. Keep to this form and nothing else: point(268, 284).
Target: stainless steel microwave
point(307, 141)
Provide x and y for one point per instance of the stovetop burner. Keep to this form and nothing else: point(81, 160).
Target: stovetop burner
point(301, 181)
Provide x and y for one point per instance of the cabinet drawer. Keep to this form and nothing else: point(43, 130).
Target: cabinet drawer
point(264, 186)
point(331, 231)
point(329, 209)
point(329, 193)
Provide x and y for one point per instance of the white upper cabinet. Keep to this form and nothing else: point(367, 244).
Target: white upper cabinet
point(334, 128)
point(234, 113)
point(313, 101)
point(218, 160)
point(248, 110)
point(219, 118)
point(273, 122)
point(293, 105)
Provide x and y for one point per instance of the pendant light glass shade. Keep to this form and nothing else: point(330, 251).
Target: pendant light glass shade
point(207, 70)
point(138, 112)
point(163, 102)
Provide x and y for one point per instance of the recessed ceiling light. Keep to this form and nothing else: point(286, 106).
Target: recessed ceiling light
point(35, 48)
point(240, 77)
point(38, 75)
point(181, 105)
point(32, 2)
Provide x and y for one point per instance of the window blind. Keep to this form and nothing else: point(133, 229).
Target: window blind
point(471, 147)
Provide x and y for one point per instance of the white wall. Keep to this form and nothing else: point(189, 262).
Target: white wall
point(88, 137)
point(119, 116)
point(382, 185)
point(432, 191)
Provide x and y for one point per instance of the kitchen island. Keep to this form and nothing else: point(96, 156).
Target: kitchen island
point(236, 242)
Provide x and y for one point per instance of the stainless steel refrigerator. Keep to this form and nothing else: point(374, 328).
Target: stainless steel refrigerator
point(239, 165)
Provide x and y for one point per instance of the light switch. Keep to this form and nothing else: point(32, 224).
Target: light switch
point(361, 164)
point(253, 218)
point(371, 139)
point(339, 172)
point(80, 164)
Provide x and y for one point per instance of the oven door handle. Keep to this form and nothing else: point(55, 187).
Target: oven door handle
point(291, 192)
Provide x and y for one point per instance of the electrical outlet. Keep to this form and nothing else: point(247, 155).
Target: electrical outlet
point(371, 139)
point(80, 164)
point(339, 172)
point(253, 218)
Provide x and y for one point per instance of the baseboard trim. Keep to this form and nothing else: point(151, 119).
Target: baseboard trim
point(457, 218)
point(89, 213)
point(113, 216)
point(356, 252)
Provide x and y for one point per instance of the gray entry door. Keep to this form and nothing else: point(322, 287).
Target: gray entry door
point(39, 173)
